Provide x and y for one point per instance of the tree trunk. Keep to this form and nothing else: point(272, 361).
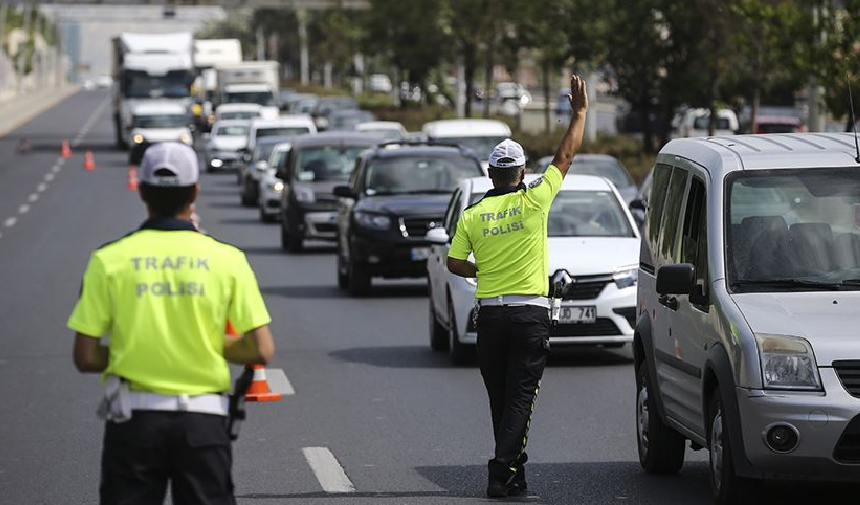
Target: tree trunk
point(645, 117)
point(547, 114)
point(488, 79)
point(712, 107)
point(469, 77)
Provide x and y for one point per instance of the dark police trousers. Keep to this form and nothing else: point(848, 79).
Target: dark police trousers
point(190, 450)
point(513, 344)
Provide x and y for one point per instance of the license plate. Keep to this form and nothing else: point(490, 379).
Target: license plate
point(420, 253)
point(573, 314)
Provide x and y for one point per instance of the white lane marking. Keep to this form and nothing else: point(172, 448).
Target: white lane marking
point(56, 169)
point(41, 187)
point(278, 382)
point(328, 471)
point(33, 197)
point(61, 161)
point(90, 122)
point(10, 222)
point(24, 208)
point(49, 177)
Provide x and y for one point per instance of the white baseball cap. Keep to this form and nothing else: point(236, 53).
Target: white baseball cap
point(507, 150)
point(169, 164)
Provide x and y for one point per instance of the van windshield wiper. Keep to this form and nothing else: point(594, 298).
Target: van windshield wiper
point(791, 283)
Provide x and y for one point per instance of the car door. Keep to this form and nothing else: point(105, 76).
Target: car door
point(690, 323)
point(673, 375)
point(345, 208)
point(439, 259)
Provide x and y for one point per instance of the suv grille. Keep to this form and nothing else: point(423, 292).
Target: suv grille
point(848, 371)
point(848, 448)
point(602, 328)
point(587, 287)
point(417, 227)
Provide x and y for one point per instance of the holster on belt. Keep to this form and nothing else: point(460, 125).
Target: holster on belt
point(237, 402)
point(116, 403)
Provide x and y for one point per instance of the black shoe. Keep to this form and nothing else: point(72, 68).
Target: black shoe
point(497, 489)
point(518, 488)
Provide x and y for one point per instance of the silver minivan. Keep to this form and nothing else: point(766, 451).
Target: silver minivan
point(747, 337)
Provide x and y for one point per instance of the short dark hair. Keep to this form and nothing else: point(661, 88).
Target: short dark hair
point(505, 176)
point(166, 201)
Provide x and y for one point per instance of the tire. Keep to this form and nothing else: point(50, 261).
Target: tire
point(358, 281)
point(266, 218)
point(661, 449)
point(460, 353)
point(285, 239)
point(247, 197)
point(438, 334)
point(295, 241)
point(342, 274)
point(727, 488)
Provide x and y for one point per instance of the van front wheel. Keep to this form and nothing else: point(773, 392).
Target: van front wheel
point(661, 449)
point(726, 487)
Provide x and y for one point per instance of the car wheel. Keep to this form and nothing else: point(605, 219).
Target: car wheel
point(285, 239)
point(265, 217)
point(247, 197)
point(460, 352)
point(357, 279)
point(342, 274)
point(295, 241)
point(726, 487)
point(438, 335)
point(661, 449)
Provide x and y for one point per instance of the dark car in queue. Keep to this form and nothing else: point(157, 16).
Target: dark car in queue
point(398, 192)
point(316, 164)
point(328, 104)
point(256, 164)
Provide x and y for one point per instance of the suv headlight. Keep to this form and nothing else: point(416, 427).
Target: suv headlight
point(787, 362)
point(137, 138)
point(278, 186)
point(372, 221)
point(185, 138)
point(625, 277)
point(305, 195)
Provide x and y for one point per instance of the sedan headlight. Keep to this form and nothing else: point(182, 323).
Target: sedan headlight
point(372, 221)
point(305, 195)
point(787, 362)
point(185, 138)
point(137, 139)
point(216, 163)
point(278, 187)
point(626, 277)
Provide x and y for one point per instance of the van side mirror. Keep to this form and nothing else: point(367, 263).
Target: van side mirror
point(343, 192)
point(676, 279)
point(437, 236)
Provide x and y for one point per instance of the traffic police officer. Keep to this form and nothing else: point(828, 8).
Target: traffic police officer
point(163, 294)
point(507, 233)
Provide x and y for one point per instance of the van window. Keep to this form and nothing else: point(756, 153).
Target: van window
point(655, 202)
point(668, 245)
point(694, 248)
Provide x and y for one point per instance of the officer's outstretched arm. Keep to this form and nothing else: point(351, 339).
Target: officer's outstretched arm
point(572, 140)
point(255, 347)
point(463, 268)
point(89, 355)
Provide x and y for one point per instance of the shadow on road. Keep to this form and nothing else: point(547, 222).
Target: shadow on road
point(586, 356)
point(308, 292)
point(225, 204)
point(394, 357)
point(263, 251)
point(239, 220)
point(347, 497)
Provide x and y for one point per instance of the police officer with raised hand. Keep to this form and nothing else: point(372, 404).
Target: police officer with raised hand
point(162, 295)
point(507, 233)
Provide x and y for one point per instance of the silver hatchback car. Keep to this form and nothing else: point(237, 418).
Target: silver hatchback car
point(747, 337)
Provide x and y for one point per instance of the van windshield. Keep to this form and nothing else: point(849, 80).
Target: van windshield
point(794, 229)
point(482, 146)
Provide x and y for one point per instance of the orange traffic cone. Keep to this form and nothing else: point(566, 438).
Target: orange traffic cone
point(259, 390)
point(89, 161)
point(65, 151)
point(131, 185)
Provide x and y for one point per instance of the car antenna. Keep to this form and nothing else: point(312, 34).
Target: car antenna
point(853, 121)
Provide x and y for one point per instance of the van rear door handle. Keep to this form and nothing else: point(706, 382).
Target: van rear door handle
point(669, 301)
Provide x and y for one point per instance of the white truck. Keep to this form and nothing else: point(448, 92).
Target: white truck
point(208, 54)
point(149, 67)
point(249, 82)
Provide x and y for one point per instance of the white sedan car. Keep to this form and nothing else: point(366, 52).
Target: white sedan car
point(591, 235)
point(270, 186)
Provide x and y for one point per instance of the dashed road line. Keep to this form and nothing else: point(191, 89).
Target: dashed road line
point(328, 471)
point(10, 222)
point(41, 187)
point(49, 177)
point(278, 382)
point(33, 197)
point(24, 208)
point(90, 122)
point(56, 169)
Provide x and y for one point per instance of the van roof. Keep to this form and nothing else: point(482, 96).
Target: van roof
point(282, 121)
point(159, 107)
point(466, 128)
point(722, 155)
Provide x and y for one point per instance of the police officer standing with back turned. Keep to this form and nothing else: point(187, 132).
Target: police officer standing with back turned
point(163, 294)
point(507, 233)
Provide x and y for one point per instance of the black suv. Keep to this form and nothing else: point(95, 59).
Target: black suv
point(316, 164)
point(398, 192)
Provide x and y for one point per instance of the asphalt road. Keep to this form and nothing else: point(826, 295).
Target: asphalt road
point(405, 426)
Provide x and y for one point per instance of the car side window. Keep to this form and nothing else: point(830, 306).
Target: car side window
point(668, 243)
point(694, 237)
point(659, 187)
point(452, 213)
point(354, 178)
